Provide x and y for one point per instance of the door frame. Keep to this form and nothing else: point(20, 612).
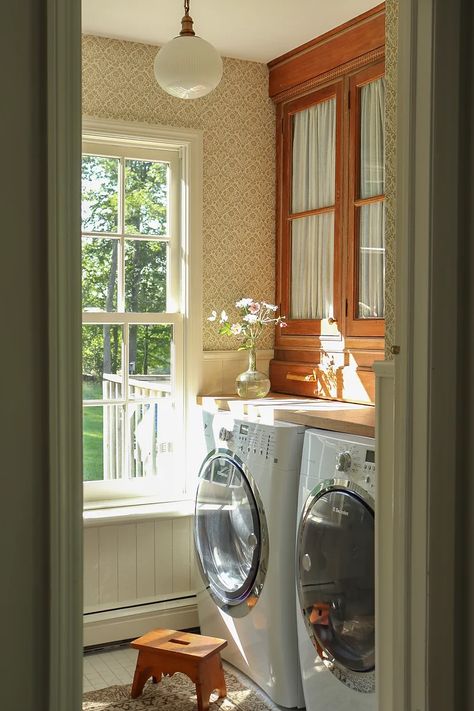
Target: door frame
point(426, 411)
point(419, 671)
point(63, 31)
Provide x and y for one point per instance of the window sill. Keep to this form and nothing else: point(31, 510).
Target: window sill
point(141, 512)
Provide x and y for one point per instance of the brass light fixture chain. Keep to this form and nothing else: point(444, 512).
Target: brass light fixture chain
point(187, 22)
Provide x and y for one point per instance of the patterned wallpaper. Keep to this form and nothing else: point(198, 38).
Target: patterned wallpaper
point(238, 121)
point(391, 66)
point(239, 163)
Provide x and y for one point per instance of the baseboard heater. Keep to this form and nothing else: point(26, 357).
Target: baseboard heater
point(113, 625)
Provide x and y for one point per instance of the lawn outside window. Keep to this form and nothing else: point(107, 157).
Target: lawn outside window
point(137, 282)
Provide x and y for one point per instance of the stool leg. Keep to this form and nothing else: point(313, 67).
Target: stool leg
point(210, 677)
point(142, 673)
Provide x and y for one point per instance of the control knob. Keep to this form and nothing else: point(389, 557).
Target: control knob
point(225, 435)
point(343, 462)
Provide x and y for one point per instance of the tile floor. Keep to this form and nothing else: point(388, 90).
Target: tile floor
point(116, 665)
point(107, 667)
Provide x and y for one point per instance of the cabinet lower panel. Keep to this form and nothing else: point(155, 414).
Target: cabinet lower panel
point(339, 376)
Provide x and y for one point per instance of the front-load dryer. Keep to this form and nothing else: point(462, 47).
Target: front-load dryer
point(335, 572)
point(244, 528)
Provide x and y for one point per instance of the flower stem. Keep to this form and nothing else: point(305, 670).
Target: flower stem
point(252, 358)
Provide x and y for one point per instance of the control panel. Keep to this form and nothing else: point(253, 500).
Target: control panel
point(262, 444)
point(258, 441)
point(356, 462)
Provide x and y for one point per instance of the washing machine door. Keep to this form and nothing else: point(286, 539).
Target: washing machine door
point(335, 549)
point(230, 533)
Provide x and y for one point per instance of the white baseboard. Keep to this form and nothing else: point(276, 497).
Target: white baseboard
point(116, 625)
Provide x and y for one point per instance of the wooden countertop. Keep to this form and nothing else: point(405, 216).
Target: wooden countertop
point(323, 414)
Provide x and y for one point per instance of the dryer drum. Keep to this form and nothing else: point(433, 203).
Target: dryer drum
point(335, 576)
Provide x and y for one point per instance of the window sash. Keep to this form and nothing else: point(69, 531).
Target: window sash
point(147, 485)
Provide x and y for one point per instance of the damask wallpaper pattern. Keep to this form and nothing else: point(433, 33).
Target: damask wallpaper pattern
point(391, 68)
point(238, 123)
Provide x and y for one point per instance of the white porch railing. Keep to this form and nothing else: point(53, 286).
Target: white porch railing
point(145, 444)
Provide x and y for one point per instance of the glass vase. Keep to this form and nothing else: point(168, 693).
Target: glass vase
point(252, 383)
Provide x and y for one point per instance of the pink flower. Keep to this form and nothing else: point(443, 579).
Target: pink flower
point(236, 328)
point(254, 307)
point(283, 324)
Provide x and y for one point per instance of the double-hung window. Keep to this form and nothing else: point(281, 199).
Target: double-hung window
point(134, 278)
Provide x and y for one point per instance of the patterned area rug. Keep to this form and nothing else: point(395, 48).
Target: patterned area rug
point(176, 693)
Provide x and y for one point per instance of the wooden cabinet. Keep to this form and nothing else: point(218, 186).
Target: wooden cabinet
point(330, 212)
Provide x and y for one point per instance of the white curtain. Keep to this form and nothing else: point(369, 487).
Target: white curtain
point(372, 261)
point(312, 262)
point(313, 186)
point(372, 219)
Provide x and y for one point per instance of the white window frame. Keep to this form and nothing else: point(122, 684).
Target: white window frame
point(183, 148)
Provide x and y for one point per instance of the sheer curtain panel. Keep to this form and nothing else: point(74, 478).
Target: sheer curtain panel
point(313, 188)
point(371, 215)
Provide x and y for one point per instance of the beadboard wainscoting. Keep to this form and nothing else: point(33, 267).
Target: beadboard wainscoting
point(220, 368)
point(138, 575)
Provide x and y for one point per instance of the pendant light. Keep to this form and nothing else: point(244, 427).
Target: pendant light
point(188, 67)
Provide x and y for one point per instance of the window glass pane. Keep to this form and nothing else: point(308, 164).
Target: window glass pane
point(146, 266)
point(151, 428)
point(102, 442)
point(100, 192)
point(146, 197)
point(99, 274)
point(312, 267)
point(372, 139)
point(371, 261)
point(314, 157)
point(150, 360)
point(101, 362)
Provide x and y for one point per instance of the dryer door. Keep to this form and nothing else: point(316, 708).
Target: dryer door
point(230, 533)
point(336, 575)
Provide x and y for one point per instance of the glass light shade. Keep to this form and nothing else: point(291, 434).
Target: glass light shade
point(188, 67)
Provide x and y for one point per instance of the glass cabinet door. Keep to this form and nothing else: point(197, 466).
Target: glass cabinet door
point(367, 219)
point(310, 216)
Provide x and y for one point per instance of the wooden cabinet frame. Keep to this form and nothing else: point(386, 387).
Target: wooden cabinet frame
point(316, 357)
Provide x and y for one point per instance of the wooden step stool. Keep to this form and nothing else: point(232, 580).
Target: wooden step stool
point(165, 652)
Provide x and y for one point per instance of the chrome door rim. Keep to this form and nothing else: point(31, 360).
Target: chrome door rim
point(362, 681)
point(243, 605)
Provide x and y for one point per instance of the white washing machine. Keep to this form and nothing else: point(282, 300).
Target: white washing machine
point(335, 572)
point(244, 528)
